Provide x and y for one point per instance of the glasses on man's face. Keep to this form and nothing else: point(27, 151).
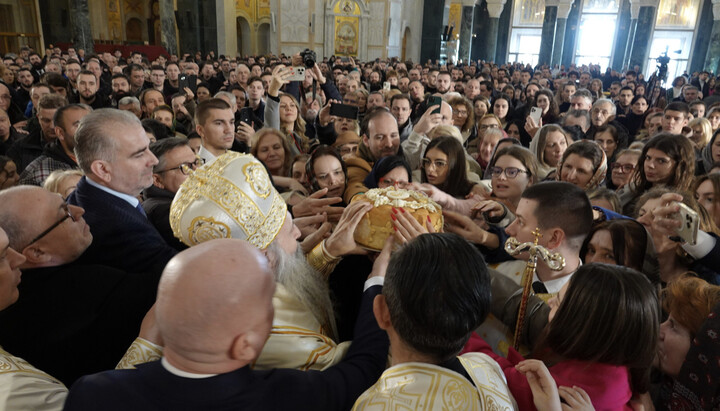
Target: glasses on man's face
point(389, 182)
point(66, 214)
point(510, 172)
point(625, 168)
point(438, 164)
point(186, 168)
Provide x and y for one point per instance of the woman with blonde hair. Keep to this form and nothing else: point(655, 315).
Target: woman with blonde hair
point(549, 145)
point(62, 182)
point(702, 132)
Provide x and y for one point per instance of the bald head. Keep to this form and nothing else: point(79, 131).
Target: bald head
point(214, 306)
point(43, 227)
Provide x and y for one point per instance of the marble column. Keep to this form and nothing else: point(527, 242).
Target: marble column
point(495, 8)
point(167, 27)
point(466, 32)
point(712, 57)
point(642, 38)
point(80, 25)
point(563, 10)
point(432, 27)
point(629, 46)
point(621, 38)
point(548, 35)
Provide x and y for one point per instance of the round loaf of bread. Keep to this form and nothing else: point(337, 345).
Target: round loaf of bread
point(377, 225)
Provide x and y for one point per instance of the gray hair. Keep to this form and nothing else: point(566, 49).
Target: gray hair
point(92, 141)
point(613, 108)
point(129, 100)
point(585, 93)
point(227, 94)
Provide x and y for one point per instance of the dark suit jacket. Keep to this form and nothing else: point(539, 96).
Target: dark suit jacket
point(122, 237)
point(73, 320)
point(151, 387)
point(157, 206)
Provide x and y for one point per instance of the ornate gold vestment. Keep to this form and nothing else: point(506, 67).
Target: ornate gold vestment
point(422, 386)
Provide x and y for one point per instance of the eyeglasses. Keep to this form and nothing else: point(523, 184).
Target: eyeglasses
point(186, 168)
point(460, 113)
point(439, 164)
point(395, 183)
point(348, 150)
point(66, 214)
point(625, 168)
point(510, 172)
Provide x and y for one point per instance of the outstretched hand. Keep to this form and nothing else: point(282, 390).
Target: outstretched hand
point(316, 204)
point(407, 227)
point(342, 240)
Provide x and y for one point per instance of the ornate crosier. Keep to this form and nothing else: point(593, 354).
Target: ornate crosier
point(555, 261)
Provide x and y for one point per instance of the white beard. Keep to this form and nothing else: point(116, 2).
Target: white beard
point(305, 283)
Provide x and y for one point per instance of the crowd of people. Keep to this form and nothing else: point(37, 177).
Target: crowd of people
point(178, 234)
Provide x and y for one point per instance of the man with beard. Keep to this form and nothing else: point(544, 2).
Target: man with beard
point(120, 88)
point(304, 320)
point(112, 150)
point(22, 94)
point(28, 148)
point(380, 138)
point(88, 92)
point(443, 82)
point(375, 81)
point(58, 155)
point(37, 66)
point(72, 69)
point(137, 78)
point(417, 100)
point(207, 75)
point(184, 110)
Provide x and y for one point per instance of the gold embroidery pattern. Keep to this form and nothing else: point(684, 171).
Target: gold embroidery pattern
point(205, 229)
point(9, 365)
point(256, 176)
point(211, 185)
point(140, 352)
point(425, 386)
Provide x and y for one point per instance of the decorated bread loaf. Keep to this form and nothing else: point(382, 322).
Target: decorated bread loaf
point(377, 225)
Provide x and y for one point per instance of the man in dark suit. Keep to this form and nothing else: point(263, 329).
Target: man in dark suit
point(113, 151)
point(207, 364)
point(72, 319)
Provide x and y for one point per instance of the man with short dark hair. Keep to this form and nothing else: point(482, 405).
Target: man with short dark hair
point(176, 161)
point(58, 155)
point(88, 91)
point(22, 94)
point(256, 91)
point(624, 100)
point(400, 107)
point(112, 150)
point(675, 116)
point(215, 122)
point(30, 147)
point(136, 74)
point(443, 82)
point(426, 334)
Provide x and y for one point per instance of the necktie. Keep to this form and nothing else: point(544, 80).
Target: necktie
point(141, 210)
point(539, 287)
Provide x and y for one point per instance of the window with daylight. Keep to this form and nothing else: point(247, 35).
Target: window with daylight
point(526, 31)
point(598, 21)
point(674, 33)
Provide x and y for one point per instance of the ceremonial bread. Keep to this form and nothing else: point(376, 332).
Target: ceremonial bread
point(377, 225)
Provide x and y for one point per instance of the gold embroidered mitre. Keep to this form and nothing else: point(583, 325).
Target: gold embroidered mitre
point(232, 197)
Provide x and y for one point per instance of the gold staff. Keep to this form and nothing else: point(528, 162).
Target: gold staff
point(555, 261)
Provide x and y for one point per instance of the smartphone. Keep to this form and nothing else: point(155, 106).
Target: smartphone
point(344, 111)
point(245, 115)
point(435, 101)
point(297, 74)
point(345, 59)
point(689, 228)
point(189, 81)
point(386, 85)
point(536, 114)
